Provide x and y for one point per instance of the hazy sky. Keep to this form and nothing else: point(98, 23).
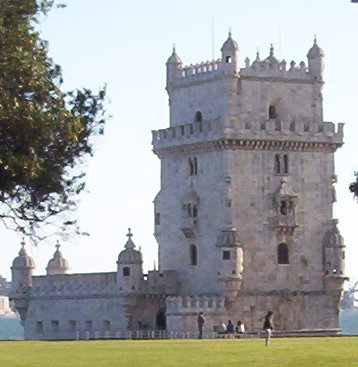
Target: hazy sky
point(126, 44)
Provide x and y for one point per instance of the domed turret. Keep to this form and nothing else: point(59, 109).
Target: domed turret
point(129, 269)
point(57, 265)
point(173, 65)
point(271, 59)
point(230, 55)
point(315, 60)
point(21, 270)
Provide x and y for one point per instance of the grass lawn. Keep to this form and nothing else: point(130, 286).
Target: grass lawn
point(290, 352)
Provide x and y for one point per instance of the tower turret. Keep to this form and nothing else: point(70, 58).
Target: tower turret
point(230, 55)
point(21, 270)
point(173, 65)
point(57, 265)
point(129, 269)
point(315, 61)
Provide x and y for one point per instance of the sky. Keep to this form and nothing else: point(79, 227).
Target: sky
point(125, 44)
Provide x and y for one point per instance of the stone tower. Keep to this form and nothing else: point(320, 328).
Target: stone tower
point(245, 205)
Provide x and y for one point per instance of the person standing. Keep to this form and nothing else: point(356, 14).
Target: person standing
point(201, 323)
point(268, 327)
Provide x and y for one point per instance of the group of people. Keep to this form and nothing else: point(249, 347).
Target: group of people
point(230, 328)
point(240, 327)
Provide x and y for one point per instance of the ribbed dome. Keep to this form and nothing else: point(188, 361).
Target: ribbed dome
point(315, 51)
point(271, 59)
point(228, 237)
point(23, 260)
point(57, 265)
point(333, 237)
point(174, 58)
point(130, 255)
point(230, 44)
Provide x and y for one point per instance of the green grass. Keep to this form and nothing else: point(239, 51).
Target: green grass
point(291, 352)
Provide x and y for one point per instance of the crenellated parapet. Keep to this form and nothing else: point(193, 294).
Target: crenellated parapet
point(249, 134)
point(195, 304)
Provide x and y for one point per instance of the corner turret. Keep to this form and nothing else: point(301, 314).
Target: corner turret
point(57, 265)
point(129, 267)
point(173, 65)
point(230, 55)
point(22, 271)
point(315, 61)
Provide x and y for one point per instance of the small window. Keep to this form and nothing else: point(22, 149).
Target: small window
point(195, 211)
point(193, 255)
point(306, 127)
point(277, 163)
point(39, 327)
point(54, 326)
point(285, 163)
point(226, 255)
point(228, 59)
point(157, 219)
point(72, 325)
point(282, 254)
point(88, 325)
point(292, 126)
point(277, 125)
point(198, 117)
point(272, 112)
point(190, 214)
point(106, 325)
point(283, 207)
point(195, 166)
point(126, 271)
point(191, 166)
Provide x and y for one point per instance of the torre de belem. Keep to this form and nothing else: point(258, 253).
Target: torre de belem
point(243, 217)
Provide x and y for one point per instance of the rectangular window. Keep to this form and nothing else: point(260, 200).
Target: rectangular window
point(39, 327)
point(72, 325)
point(88, 325)
point(228, 59)
point(126, 271)
point(157, 219)
point(106, 325)
point(55, 326)
point(226, 255)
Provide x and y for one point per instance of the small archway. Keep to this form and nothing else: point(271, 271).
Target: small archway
point(193, 255)
point(198, 117)
point(272, 112)
point(282, 254)
point(161, 320)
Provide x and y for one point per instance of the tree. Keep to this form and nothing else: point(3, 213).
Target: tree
point(353, 187)
point(44, 132)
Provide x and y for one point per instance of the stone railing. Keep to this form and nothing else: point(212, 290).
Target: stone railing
point(195, 304)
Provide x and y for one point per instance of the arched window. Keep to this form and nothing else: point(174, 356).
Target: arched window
point(272, 112)
point(126, 271)
point(193, 255)
point(195, 211)
point(285, 163)
point(283, 207)
point(282, 254)
point(198, 117)
point(277, 164)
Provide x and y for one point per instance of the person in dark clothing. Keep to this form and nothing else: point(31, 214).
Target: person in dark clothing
point(268, 327)
point(201, 323)
point(230, 327)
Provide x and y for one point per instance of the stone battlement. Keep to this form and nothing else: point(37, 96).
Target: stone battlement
point(195, 304)
point(264, 130)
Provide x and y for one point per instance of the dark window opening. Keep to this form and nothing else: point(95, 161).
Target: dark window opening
point(195, 211)
point(195, 166)
point(161, 320)
point(193, 255)
point(306, 127)
point(285, 163)
point(228, 59)
point(54, 325)
point(282, 254)
point(88, 325)
point(126, 271)
point(157, 219)
point(106, 325)
point(292, 126)
point(272, 112)
point(277, 164)
point(226, 255)
point(198, 117)
point(72, 325)
point(283, 208)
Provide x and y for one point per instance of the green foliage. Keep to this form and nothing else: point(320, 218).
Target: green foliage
point(43, 131)
point(290, 352)
point(353, 187)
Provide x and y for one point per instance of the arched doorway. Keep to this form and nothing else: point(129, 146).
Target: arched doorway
point(161, 320)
